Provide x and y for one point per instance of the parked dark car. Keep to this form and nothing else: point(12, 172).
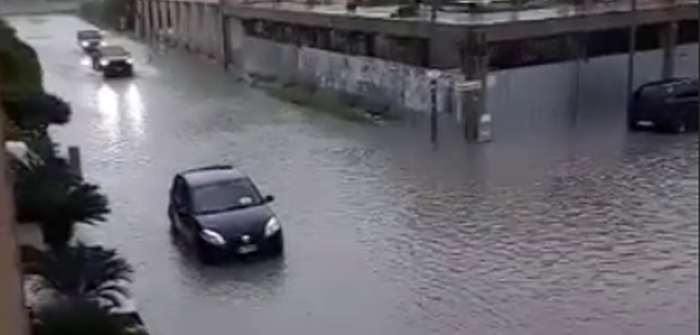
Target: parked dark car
point(90, 40)
point(219, 211)
point(113, 61)
point(669, 105)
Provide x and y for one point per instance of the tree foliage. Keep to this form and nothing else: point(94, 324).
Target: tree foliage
point(51, 194)
point(36, 110)
point(19, 65)
point(75, 317)
point(91, 273)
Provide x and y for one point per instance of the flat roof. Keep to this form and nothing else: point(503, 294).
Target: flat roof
point(500, 25)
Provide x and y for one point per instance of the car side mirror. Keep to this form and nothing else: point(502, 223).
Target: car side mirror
point(269, 198)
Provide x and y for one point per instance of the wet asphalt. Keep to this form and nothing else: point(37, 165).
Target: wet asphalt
point(569, 232)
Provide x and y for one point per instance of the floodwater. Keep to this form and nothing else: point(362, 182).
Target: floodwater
point(558, 234)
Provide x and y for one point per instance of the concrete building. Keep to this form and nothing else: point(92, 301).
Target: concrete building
point(13, 319)
point(386, 59)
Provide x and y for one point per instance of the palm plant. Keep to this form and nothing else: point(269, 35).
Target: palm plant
point(49, 193)
point(91, 273)
point(36, 110)
point(75, 317)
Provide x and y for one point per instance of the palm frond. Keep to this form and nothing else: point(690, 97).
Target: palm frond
point(90, 272)
point(75, 317)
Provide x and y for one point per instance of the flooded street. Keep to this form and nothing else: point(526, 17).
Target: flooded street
point(569, 231)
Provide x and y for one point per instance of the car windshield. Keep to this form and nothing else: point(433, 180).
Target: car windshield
point(225, 196)
point(89, 35)
point(113, 51)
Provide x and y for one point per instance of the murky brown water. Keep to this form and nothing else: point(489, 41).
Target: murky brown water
point(569, 231)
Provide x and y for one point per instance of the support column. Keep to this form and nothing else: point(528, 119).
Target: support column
point(669, 40)
point(172, 10)
point(472, 94)
point(208, 22)
point(163, 10)
point(147, 21)
point(193, 31)
point(198, 31)
point(138, 17)
point(225, 43)
point(184, 24)
point(155, 16)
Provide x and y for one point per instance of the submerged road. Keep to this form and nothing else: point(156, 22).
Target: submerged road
point(569, 232)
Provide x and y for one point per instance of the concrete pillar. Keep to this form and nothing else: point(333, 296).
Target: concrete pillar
point(184, 24)
point(163, 10)
point(193, 31)
point(669, 40)
point(216, 41)
point(147, 18)
point(475, 117)
point(172, 10)
point(236, 35)
point(382, 46)
point(208, 28)
point(199, 33)
point(138, 18)
point(442, 55)
point(155, 17)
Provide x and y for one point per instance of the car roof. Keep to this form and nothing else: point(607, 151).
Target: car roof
point(672, 82)
point(211, 174)
point(90, 32)
point(113, 50)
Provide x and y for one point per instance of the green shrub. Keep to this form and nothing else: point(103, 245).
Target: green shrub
point(75, 317)
point(19, 65)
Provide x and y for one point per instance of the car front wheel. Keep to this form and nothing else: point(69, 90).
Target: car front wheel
point(633, 125)
point(676, 126)
point(277, 246)
point(204, 253)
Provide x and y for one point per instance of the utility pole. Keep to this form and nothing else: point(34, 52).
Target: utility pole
point(631, 53)
point(433, 75)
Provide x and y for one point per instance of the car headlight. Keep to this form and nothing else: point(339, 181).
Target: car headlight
point(272, 226)
point(212, 237)
point(130, 61)
point(102, 43)
point(84, 43)
point(104, 62)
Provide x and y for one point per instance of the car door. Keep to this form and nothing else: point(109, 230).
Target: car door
point(178, 206)
point(187, 217)
point(685, 101)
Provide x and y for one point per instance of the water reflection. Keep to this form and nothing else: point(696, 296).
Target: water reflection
point(108, 107)
point(117, 103)
point(261, 275)
point(85, 61)
point(135, 109)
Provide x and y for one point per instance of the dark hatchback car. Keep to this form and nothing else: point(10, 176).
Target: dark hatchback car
point(219, 211)
point(90, 40)
point(113, 61)
point(668, 105)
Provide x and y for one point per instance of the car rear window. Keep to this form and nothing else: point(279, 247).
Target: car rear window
point(89, 35)
point(225, 196)
point(113, 51)
point(687, 91)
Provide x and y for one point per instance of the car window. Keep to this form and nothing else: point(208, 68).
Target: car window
point(687, 91)
point(113, 51)
point(179, 192)
point(89, 35)
point(225, 196)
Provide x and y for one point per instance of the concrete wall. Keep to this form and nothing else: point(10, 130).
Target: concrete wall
point(376, 81)
point(546, 97)
point(193, 25)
